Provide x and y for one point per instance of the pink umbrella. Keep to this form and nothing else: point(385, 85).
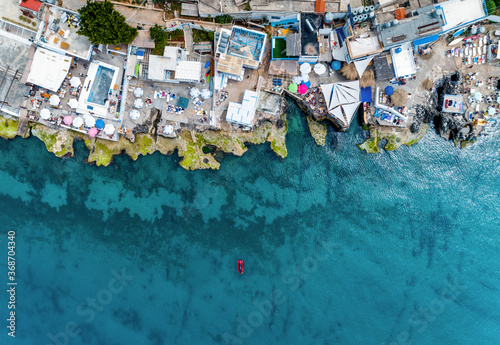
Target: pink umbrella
point(68, 120)
point(93, 132)
point(302, 89)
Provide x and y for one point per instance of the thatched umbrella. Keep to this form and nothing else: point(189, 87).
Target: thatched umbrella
point(427, 84)
point(399, 97)
point(367, 79)
point(349, 71)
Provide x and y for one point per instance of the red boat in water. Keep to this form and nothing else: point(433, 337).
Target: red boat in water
point(240, 266)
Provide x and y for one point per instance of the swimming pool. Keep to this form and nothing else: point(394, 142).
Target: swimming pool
point(101, 85)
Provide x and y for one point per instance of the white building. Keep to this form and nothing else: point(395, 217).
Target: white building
point(173, 67)
point(243, 113)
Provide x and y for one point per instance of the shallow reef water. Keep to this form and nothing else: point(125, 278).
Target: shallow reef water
point(339, 247)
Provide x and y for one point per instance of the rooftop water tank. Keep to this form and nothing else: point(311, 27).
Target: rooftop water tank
point(365, 16)
point(395, 22)
point(387, 24)
point(434, 14)
point(361, 10)
point(328, 18)
point(356, 19)
point(354, 12)
point(372, 8)
point(473, 30)
point(367, 9)
point(482, 30)
point(372, 14)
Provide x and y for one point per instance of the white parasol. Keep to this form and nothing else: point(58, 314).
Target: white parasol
point(205, 93)
point(296, 80)
point(168, 129)
point(134, 114)
point(305, 68)
point(194, 92)
point(89, 121)
point(138, 103)
point(45, 113)
point(54, 100)
point(319, 68)
point(138, 92)
point(73, 103)
point(75, 82)
point(78, 122)
point(109, 129)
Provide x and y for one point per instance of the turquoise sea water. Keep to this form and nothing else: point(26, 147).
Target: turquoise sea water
point(339, 247)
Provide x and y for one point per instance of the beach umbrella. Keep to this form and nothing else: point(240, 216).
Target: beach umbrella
point(308, 84)
point(134, 114)
point(296, 80)
point(109, 129)
point(54, 100)
point(292, 87)
point(336, 65)
point(168, 129)
point(68, 120)
point(498, 100)
point(138, 103)
point(205, 93)
point(138, 92)
point(99, 123)
point(92, 132)
point(304, 77)
point(45, 113)
point(349, 71)
point(89, 121)
point(305, 68)
point(491, 111)
point(77, 122)
point(368, 79)
point(399, 97)
point(194, 92)
point(75, 82)
point(389, 90)
point(319, 68)
point(302, 89)
point(478, 95)
point(73, 103)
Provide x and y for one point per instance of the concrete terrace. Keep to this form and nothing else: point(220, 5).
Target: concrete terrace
point(58, 32)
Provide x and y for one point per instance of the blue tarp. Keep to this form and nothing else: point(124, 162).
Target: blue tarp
point(366, 94)
point(425, 40)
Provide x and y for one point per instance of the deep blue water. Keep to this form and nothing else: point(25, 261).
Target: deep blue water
point(340, 247)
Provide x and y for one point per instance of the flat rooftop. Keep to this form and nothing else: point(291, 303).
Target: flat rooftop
point(412, 28)
point(58, 31)
point(308, 38)
point(13, 57)
point(247, 44)
point(459, 12)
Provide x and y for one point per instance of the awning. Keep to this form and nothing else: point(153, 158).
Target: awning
point(366, 94)
point(425, 40)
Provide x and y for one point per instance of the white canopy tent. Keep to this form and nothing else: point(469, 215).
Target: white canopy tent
point(48, 69)
point(342, 100)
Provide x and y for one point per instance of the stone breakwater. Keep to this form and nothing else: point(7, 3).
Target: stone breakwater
point(190, 147)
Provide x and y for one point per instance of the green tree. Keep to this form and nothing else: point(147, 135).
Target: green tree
point(102, 24)
point(490, 5)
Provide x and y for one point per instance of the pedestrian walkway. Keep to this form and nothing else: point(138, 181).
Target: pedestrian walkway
point(188, 38)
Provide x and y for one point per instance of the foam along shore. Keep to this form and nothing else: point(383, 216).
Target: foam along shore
point(190, 146)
